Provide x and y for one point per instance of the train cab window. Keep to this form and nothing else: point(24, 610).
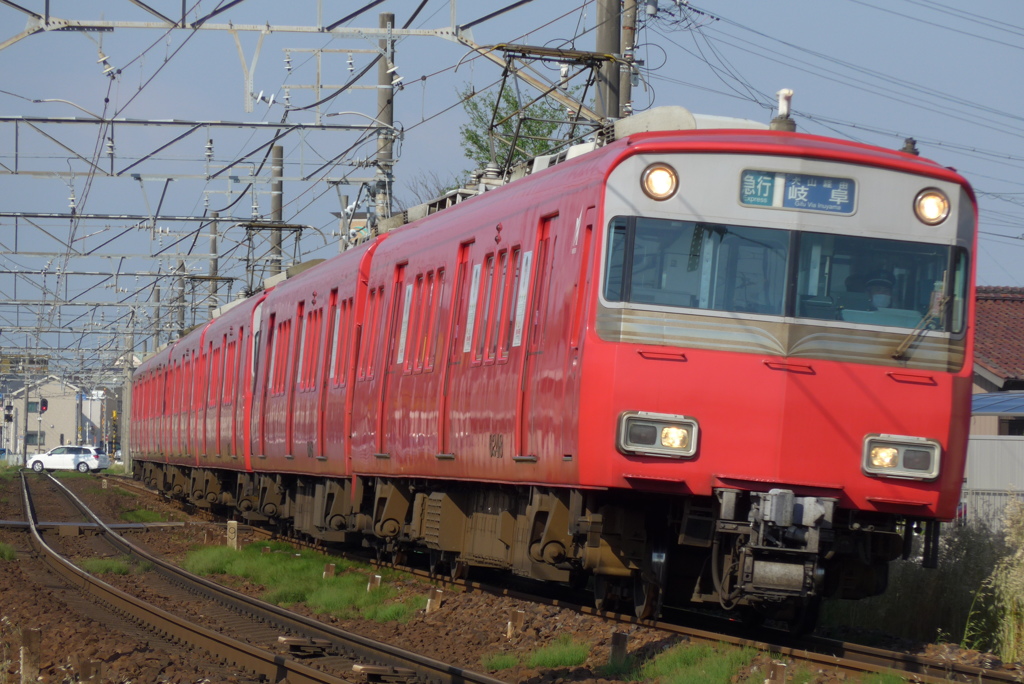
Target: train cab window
point(881, 282)
point(745, 269)
point(696, 265)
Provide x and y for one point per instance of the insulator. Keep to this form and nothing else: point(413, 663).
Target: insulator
point(209, 149)
point(351, 64)
point(287, 60)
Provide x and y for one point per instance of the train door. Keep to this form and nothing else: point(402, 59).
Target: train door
point(262, 388)
point(580, 250)
point(253, 404)
point(391, 369)
point(534, 388)
point(452, 348)
point(296, 358)
point(325, 371)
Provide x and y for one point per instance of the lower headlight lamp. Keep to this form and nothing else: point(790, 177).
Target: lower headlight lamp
point(675, 437)
point(884, 457)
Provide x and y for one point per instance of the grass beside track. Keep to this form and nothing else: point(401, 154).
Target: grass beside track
point(292, 577)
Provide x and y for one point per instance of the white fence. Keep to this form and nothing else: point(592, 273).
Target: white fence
point(993, 477)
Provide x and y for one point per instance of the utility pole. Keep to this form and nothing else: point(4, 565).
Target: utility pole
point(126, 404)
point(628, 48)
point(214, 267)
point(24, 432)
point(607, 42)
point(156, 315)
point(387, 76)
point(276, 207)
point(181, 299)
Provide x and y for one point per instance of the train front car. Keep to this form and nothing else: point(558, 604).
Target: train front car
point(779, 367)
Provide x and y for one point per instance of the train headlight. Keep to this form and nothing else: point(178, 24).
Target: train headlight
point(913, 458)
point(931, 206)
point(659, 181)
point(884, 457)
point(673, 437)
point(657, 434)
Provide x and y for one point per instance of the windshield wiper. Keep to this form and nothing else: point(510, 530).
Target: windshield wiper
point(934, 312)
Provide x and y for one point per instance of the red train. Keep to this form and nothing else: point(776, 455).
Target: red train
point(709, 362)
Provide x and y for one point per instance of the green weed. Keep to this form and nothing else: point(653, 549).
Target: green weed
point(7, 552)
point(292, 577)
point(1007, 585)
point(499, 661)
point(696, 664)
point(107, 566)
point(564, 652)
point(920, 603)
point(142, 515)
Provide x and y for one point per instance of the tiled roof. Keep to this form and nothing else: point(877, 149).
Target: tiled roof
point(999, 338)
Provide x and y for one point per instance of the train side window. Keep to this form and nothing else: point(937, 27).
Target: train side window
point(410, 321)
point(229, 373)
point(507, 319)
point(484, 317)
point(185, 384)
point(434, 327)
point(375, 306)
point(414, 356)
point(339, 353)
point(313, 333)
point(271, 355)
point(279, 373)
point(474, 295)
point(282, 366)
point(302, 343)
point(334, 323)
point(497, 306)
point(215, 375)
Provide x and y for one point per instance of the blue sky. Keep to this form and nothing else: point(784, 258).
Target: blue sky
point(875, 71)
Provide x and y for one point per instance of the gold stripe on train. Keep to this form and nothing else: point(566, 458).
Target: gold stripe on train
point(723, 332)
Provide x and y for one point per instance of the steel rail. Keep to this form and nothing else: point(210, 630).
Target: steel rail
point(271, 665)
point(345, 643)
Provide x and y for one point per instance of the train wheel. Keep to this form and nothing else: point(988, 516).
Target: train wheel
point(435, 564)
point(648, 586)
point(602, 593)
point(646, 598)
point(458, 570)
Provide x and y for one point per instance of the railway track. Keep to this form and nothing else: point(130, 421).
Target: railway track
point(318, 653)
point(832, 655)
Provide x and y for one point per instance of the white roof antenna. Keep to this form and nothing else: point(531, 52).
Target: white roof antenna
point(783, 122)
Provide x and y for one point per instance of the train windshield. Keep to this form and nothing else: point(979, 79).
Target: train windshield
point(743, 269)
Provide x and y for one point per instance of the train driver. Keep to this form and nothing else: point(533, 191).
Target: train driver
point(880, 290)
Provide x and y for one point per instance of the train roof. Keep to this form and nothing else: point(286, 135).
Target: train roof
point(677, 129)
